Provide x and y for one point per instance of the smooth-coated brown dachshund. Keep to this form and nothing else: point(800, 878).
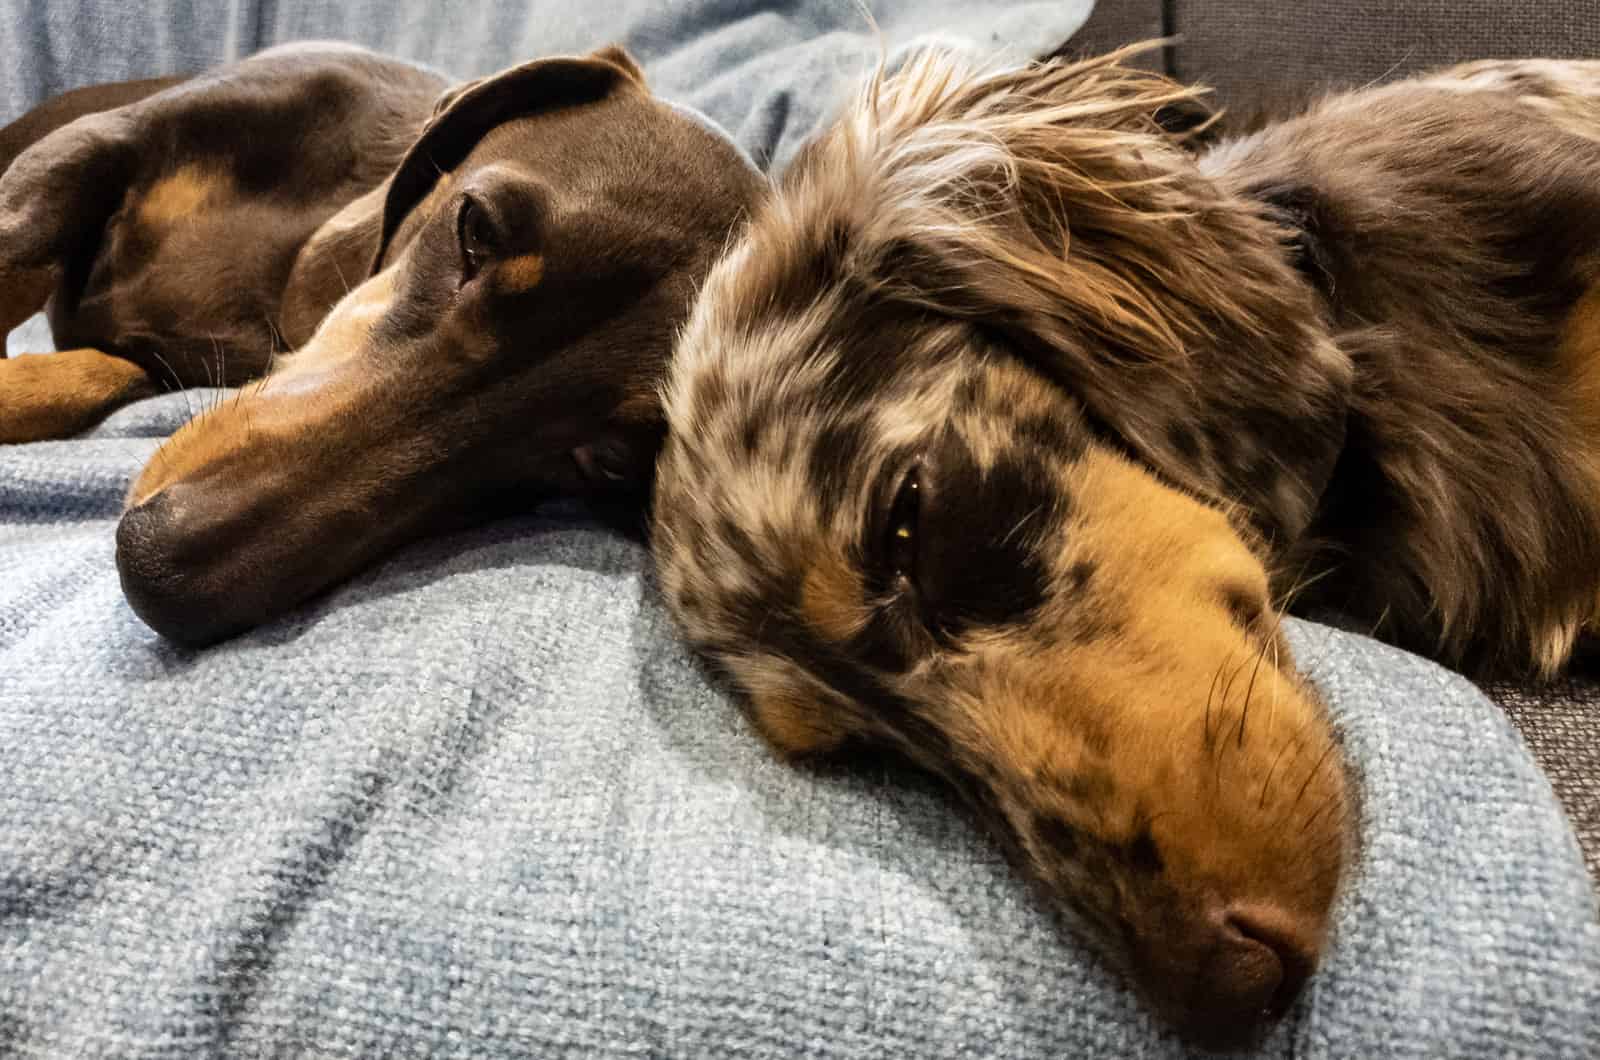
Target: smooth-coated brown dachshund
point(441, 301)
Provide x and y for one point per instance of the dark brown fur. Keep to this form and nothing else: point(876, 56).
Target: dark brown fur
point(1008, 428)
point(1452, 234)
point(304, 213)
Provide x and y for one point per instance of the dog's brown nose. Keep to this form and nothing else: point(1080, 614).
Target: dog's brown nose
point(166, 549)
point(1253, 966)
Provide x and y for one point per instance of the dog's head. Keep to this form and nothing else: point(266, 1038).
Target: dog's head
point(539, 247)
point(978, 444)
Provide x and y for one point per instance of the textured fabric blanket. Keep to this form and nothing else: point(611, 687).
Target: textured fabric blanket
point(481, 803)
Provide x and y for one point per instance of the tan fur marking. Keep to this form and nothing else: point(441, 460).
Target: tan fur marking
point(176, 196)
point(522, 273)
point(1140, 691)
point(206, 439)
point(830, 598)
point(59, 394)
point(794, 727)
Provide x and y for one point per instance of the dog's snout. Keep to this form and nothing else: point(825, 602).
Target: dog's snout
point(143, 560)
point(162, 548)
point(1252, 964)
point(1292, 944)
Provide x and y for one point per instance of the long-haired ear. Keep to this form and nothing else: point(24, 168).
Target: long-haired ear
point(1049, 206)
point(1192, 119)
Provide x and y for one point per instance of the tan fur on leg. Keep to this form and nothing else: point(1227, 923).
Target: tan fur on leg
point(60, 394)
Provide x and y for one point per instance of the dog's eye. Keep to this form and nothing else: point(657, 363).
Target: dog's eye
point(476, 236)
point(900, 548)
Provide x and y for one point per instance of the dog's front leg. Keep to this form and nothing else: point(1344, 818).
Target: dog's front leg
point(59, 394)
point(65, 168)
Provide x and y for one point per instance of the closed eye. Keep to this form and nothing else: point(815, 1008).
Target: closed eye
point(1247, 607)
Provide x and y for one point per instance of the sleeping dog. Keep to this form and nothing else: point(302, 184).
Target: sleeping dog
point(451, 300)
point(1012, 422)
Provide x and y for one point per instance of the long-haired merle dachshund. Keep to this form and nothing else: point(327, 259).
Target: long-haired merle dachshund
point(1013, 422)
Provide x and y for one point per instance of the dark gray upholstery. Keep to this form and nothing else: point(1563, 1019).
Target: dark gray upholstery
point(1257, 51)
point(1562, 725)
point(1117, 22)
point(1262, 54)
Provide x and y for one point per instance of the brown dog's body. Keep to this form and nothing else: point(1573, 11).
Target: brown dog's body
point(466, 299)
point(1004, 432)
point(177, 235)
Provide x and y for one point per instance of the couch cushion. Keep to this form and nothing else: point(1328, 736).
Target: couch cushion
point(1561, 722)
point(1262, 53)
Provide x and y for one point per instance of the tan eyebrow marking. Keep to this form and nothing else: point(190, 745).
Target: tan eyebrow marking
point(178, 195)
point(521, 273)
point(830, 598)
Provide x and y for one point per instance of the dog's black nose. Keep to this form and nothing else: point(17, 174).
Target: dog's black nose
point(166, 559)
point(1256, 965)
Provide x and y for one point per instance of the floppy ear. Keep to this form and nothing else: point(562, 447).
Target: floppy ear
point(1049, 206)
point(466, 112)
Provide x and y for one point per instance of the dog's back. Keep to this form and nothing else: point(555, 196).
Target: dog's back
point(1565, 92)
point(1452, 226)
point(182, 204)
point(71, 105)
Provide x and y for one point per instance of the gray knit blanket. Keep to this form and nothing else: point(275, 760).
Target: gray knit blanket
point(480, 802)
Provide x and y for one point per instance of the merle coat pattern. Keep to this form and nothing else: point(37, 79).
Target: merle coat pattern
point(1015, 419)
